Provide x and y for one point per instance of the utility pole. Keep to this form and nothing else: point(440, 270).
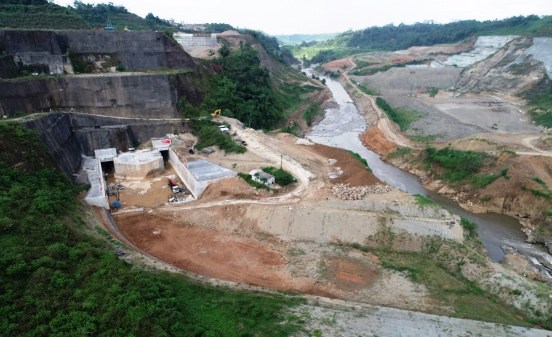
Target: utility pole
point(281, 157)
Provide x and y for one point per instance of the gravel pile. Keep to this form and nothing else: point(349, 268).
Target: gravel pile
point(346, 192)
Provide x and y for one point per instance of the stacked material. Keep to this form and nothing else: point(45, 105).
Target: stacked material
point(346, 192)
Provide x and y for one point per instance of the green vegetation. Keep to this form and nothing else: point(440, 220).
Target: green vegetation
point(360, 159)
point(281, 176)
point(243, 89)
point(311, 112)
point(367, 90)
point(293, 129)
point(448, 285)
point(60, 278)
point(539, 99)
point(400, 152)
point(80, 66)
point(210, 135)
point(544, 192)
point(469, 226)
point(482, 180)
point(432, 91)
point(370, 70)
point(391, 37)
point(455, 164)
point(38, 14)
point(439, 268)
point(102, 15)
point(250, 181)
point(272, 46)
point(402, 117)
point(424, 201)
point(295, 39)
point(291, 97)
point(425, 139)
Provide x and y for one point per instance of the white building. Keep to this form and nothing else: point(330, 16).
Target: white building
point(262, 177)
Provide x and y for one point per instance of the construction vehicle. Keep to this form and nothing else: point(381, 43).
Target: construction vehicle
point(216, 113)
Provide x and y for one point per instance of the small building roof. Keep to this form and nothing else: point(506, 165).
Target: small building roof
point(204, 170)
point(161, 144)
point(139, 157)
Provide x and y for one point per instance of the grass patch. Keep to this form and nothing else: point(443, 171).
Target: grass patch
point(402, 117)
point(312, 111)
point(400, 152)
point(545, 192)
point(282, 177)
point(250, 181)
point(425, 139)
point(456, 164)
point(448, 286)
point(367, 90)
point(210, 135)
point(469, 226)
point(360, 159)
point(432, 91)
point(424, 201)
point(482, 180)
point(293, 129)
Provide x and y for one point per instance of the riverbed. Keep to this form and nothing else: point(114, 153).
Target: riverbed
point(342, 126)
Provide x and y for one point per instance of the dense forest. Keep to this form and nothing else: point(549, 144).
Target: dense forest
point(101, 15)
point(391, 37)
point(58, 277)
point(241, 88)
point(38, 14)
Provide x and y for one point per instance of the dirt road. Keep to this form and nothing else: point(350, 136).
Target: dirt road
point(389, 129)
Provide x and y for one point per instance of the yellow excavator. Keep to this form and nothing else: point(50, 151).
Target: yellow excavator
point(216, 113)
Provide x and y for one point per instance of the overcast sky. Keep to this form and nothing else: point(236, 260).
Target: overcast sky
point(327, 16)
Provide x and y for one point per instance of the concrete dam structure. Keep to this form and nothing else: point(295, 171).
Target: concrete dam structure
point(104, 91)
point(68, 136)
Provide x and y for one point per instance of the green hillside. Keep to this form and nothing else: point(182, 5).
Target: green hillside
point(60, 277)
point(295, 39)
point(38, 14)
point(391, 37)
point(102, 15)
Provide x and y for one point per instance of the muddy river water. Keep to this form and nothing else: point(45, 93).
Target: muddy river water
point(341, 128)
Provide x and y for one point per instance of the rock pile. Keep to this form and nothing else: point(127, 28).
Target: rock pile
point(346, 192)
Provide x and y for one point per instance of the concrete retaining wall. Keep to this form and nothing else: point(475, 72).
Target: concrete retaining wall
point(55, 131)
point(96, 195)
point(196, 188)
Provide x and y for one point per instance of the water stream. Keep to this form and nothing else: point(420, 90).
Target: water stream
point(341, 128)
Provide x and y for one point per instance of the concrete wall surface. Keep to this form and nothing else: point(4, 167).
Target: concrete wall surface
point(196, 187)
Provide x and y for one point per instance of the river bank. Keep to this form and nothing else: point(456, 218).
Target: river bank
point(343, 126)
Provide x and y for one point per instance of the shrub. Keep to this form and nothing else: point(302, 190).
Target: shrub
point(457, 165)
point(469, 226)
point(282, 177)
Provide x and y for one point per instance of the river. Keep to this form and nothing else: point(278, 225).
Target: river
point(341, 128)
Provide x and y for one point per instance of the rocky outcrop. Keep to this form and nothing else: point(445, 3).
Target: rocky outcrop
point(513, 69)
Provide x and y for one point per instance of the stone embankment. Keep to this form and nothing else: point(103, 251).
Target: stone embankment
point(347, 192)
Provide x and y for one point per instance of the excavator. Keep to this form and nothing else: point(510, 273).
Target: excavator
point(216, 113)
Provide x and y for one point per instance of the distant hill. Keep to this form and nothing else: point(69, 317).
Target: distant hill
point(296, 39)
point(102, 15)
point(391, 37)
point(38, 14)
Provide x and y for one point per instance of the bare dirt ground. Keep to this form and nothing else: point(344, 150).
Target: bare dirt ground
point(247, 256)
